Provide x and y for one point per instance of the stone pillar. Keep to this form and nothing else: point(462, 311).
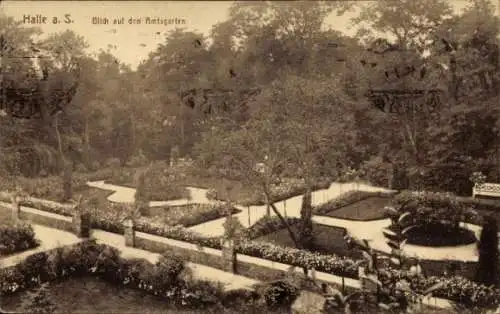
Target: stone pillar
point(129, 232)
point(16, 208)
point(81, 224)
point(390, 177)
point(229, 256)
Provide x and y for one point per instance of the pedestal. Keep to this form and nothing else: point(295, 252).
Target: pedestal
point(129, 233)
point(81, 225)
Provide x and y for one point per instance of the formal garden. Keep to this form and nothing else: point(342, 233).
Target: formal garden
point(351, 171)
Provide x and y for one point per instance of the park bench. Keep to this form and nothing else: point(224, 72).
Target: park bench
point(486, 189)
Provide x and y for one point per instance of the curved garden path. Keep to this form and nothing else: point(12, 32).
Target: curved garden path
point(370, 230)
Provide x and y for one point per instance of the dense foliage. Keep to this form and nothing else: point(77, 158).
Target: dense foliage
point(16, 237)
point(488, 266)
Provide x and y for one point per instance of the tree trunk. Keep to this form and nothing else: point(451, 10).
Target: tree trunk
point(306, 229)
point(268, 208)
point(86, 138)
point(287, 226)
point(59, 141)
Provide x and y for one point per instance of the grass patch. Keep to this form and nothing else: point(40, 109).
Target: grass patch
point(371, 208)
point(92, 295)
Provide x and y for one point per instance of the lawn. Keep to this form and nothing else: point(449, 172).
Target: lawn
point(328, 240)
point(91, 295)
point(371, 208)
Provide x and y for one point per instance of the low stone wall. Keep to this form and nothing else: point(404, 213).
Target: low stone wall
point(249, 266)
point(74, 224)
point(47, 219)
point(187, 251)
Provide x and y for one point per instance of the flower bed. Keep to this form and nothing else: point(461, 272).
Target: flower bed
point(17, 237)
point(191, 214)
point(158, 183)
point(51, 188)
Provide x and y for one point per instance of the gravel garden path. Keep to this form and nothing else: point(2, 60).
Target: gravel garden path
point(370, 230)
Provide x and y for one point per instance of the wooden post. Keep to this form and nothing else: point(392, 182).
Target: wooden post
point(248, 210)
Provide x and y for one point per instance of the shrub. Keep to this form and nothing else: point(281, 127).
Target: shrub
point(279, 294)
point(160, 184)
point(377, 172)
point(17, 238)
point(487, 269)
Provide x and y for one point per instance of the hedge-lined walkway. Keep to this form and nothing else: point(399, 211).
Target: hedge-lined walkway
point(249, 214)
point(229, 280)
point(370, 230)
point(50, 238)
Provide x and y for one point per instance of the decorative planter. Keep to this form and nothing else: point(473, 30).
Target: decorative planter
point(129, 232)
